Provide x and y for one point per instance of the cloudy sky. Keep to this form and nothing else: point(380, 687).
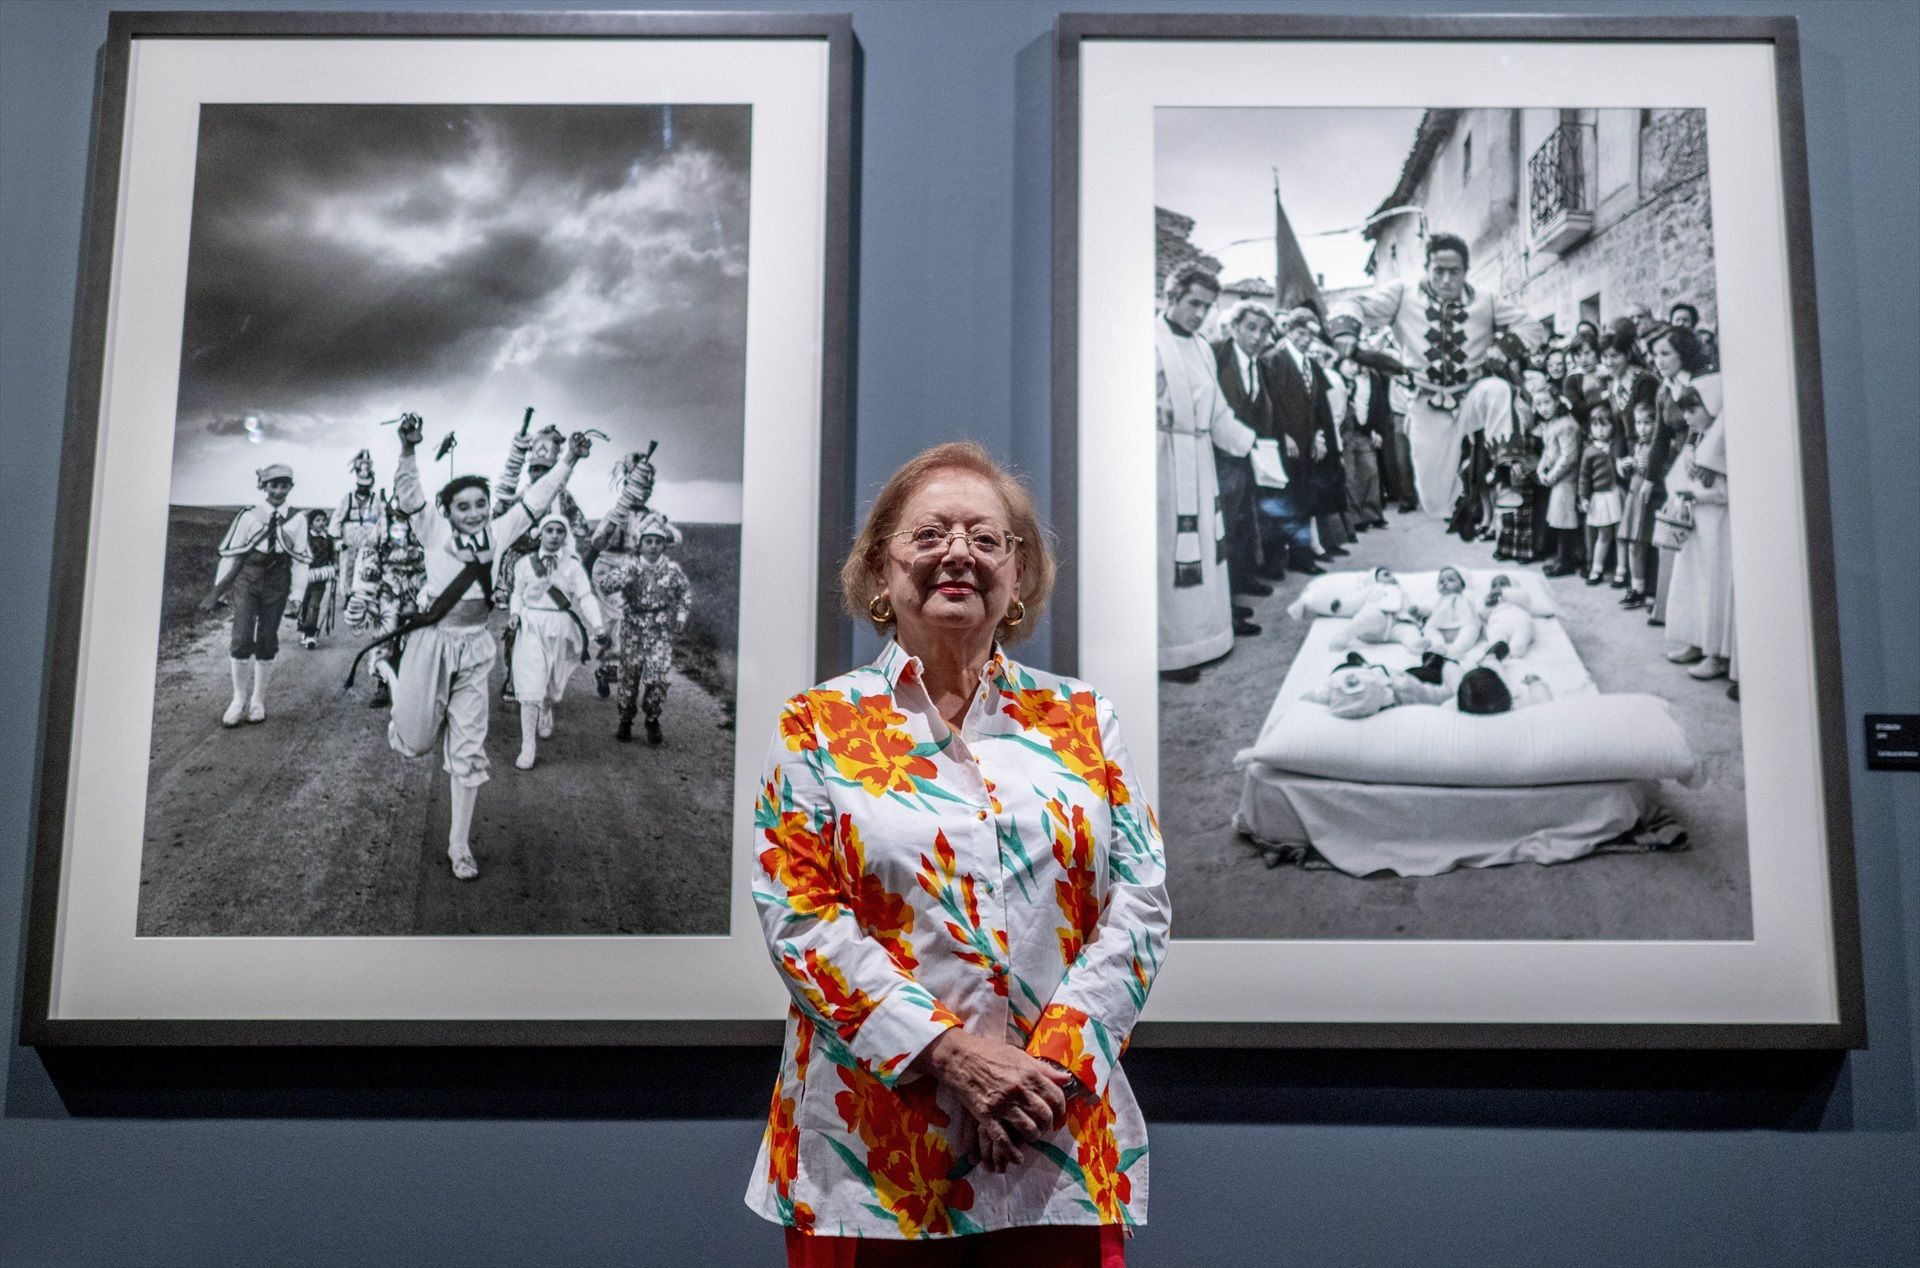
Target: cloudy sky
point(465, 262)
point(1216, 164)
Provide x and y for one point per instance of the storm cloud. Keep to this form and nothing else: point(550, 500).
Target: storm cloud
point(349, 262)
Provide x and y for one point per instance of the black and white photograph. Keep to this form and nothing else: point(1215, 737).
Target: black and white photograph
point(1446, 638)
point(449, 629)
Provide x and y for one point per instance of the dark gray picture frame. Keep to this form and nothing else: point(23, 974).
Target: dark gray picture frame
point(1780, 35)
point(832, 634)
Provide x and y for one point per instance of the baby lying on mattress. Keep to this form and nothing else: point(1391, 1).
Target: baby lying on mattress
point(1452, 625)
point(1357, 688)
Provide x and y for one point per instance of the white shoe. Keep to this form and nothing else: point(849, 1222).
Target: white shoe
point(546, 722)
point(464, 868)
point(236, 712)
point(256, 712)
point(525, 760)
point(1709, 668)
point(1685, 655)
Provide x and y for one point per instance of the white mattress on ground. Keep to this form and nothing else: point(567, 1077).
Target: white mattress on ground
point(1417, 790)
point(1423, 830)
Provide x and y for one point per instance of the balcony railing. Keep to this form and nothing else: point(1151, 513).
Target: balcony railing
point(1558, 212)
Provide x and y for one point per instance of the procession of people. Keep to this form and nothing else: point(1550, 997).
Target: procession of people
point(416, 578)
point(1601, 454)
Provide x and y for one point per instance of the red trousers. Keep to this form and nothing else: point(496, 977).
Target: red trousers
point(1035, 1246)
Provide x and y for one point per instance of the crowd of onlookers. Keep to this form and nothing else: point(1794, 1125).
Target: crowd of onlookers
point(1607, 461)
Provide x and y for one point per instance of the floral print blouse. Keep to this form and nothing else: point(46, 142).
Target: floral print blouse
point(1007, 878)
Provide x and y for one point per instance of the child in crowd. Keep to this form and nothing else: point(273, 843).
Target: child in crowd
point(1559, 473)
point(553, 610)
point(257, 557)
point(1598, 487)
point(1635, 532)
point(316, 603)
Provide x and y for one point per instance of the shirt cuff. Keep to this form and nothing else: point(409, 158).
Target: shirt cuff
point(898, 1029)
point(1076, 1042)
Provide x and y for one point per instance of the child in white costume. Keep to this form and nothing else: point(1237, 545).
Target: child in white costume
point(1453, 626)
point(551, 641)
point(440, 689)
point(1509, 615)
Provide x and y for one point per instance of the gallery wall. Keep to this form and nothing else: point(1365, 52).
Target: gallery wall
point(1259, 1157)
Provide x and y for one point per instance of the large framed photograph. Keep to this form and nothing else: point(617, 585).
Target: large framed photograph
point(1453, 389)
point(457, 448)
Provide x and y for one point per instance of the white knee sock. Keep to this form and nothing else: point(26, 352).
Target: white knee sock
point(262, 671)
point(529, 728)
point(237, 709)
point(460, 824)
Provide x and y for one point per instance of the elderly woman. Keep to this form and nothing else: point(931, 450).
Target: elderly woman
point(965, 895)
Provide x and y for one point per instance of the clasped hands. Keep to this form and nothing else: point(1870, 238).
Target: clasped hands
point(1007, 1098)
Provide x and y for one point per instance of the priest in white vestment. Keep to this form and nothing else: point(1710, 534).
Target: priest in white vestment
point(1193, 418)
point(1444, 328)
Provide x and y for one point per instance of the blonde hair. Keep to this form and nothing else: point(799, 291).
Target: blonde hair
point(861, 567)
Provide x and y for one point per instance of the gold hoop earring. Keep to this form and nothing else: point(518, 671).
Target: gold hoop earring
point(880, 608)
point(1016, 613)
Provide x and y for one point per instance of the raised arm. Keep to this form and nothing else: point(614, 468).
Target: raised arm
point(1087, 1023)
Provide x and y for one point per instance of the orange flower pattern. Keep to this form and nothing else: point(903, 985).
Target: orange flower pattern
point(1005, 876)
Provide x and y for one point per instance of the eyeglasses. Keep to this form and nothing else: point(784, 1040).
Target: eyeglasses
point(930, 540)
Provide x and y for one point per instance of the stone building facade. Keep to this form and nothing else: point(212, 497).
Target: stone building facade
point(1173, 247)
point(1577, 213)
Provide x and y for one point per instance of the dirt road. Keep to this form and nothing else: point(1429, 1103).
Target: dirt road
point(309, 824)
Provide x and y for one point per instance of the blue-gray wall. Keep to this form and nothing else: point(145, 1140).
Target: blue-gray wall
point(1259, 1158)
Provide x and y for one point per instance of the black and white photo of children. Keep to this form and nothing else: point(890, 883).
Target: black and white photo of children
point(428, 351)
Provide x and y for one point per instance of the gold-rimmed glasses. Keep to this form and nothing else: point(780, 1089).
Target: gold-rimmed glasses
point(930, 540)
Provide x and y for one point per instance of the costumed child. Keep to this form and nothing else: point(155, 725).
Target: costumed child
point(1559, 473)
point(1453, 626)
point(614, 546)
point(1509, 615)
point(536, 454)
point(257, 557)
point(553, 611)
point(1635, 532)
point(316, 603)
point(1598, 487)
point(1382, 615)
point(658, 601)
point(358, 521)
point(440, 688)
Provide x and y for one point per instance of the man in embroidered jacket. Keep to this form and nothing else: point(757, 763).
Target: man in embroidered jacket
point(1444, 327)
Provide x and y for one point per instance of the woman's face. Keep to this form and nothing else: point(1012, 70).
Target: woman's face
point(1665, 359)
point(1451, 582)
point(1586, 358)
point(468, 510)
point(1615, 360)
point(956, 592)
point(552, 537)
point(1556, 364)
